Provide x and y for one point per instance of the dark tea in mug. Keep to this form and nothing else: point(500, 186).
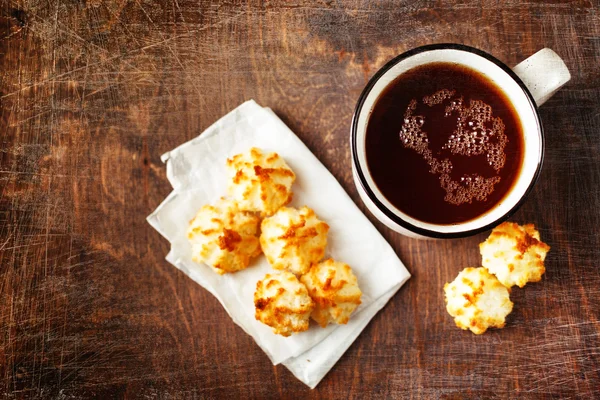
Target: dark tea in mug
point(444, 144)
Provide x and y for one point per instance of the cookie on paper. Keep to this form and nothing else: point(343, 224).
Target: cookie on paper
point(260, 182)
point(282, 302)
point(293, 239)
point(224, 237)
point(334, 288)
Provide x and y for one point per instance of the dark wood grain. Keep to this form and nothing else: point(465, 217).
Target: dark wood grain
point(92, 92)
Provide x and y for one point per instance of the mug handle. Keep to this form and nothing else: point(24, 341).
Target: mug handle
point(543, 73)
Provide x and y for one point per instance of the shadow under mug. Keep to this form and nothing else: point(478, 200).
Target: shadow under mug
point(527, 86)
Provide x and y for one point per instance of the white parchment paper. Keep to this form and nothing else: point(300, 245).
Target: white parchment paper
point(196, 171)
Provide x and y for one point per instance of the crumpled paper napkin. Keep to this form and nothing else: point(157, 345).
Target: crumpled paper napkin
point(196, 170)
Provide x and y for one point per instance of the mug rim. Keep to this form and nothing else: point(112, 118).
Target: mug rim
point(359, 172)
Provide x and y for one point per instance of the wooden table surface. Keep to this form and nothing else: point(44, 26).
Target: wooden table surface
point(92, 92)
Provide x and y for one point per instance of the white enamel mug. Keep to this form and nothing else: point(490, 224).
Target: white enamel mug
point(527, 86)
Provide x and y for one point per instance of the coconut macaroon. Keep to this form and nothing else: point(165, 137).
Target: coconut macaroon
point(282, 302)
point(333, 287)
point(477, 300)
point(514, 254)
point(260, 182)
point(293, 239)
point(224, 237)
